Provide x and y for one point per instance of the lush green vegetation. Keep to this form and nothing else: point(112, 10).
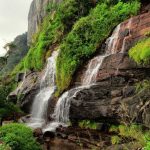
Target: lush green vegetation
point(141, 52)
point(55, 26)
point(7, 109)
point(134, 133)
point(86, 37)
point(18, 137)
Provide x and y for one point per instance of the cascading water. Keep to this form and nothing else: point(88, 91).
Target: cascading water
point(47, 88)
point(61, 112)
point(96, 62)
point(128, 26)
point(92, 70)
point(112, 41)
point(123, 48)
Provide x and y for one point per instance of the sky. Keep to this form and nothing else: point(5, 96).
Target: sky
point(13, 20)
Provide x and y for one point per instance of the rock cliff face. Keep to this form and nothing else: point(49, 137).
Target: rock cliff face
point(113, 97)
point(36, 15)
point(17, 50)
point(28, 86)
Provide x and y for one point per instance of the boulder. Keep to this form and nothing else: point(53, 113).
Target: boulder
point(97, 103)
point(26, 91)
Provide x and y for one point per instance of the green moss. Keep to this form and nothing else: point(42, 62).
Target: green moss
point(141, 52)
point(4, 147)
point(86, 37)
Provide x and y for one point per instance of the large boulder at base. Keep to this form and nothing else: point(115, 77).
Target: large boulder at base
point(100, 102)
point(26, 91)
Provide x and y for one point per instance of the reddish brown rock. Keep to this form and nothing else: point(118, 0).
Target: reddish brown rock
point(113, 98)
point(131, 31)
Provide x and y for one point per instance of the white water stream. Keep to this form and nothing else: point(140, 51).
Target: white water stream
point(113, 41)
point(61, 112)
point(47, 88)
point(128, 26)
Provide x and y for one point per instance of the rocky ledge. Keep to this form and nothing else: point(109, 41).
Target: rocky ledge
point(113, 98)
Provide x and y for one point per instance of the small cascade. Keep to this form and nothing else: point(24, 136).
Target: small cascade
point(47, 88)
point(113, 41)
point(61, 112)
point(123, 48)
point(128, 26)
point(92, 70)
point(96, 62)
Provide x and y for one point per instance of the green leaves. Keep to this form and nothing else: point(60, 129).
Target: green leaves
point(18, 137)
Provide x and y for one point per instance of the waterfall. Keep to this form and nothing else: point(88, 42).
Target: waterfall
point(62, 108)
point(123, 48)
point(124, 40)
point(92, 70)
point(47, 88)
point(95, 64)
point(112, 41)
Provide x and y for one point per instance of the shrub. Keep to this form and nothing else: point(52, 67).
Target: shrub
point(7, 109)
point(140, 53)
point(86, 37)
point(18, 137)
